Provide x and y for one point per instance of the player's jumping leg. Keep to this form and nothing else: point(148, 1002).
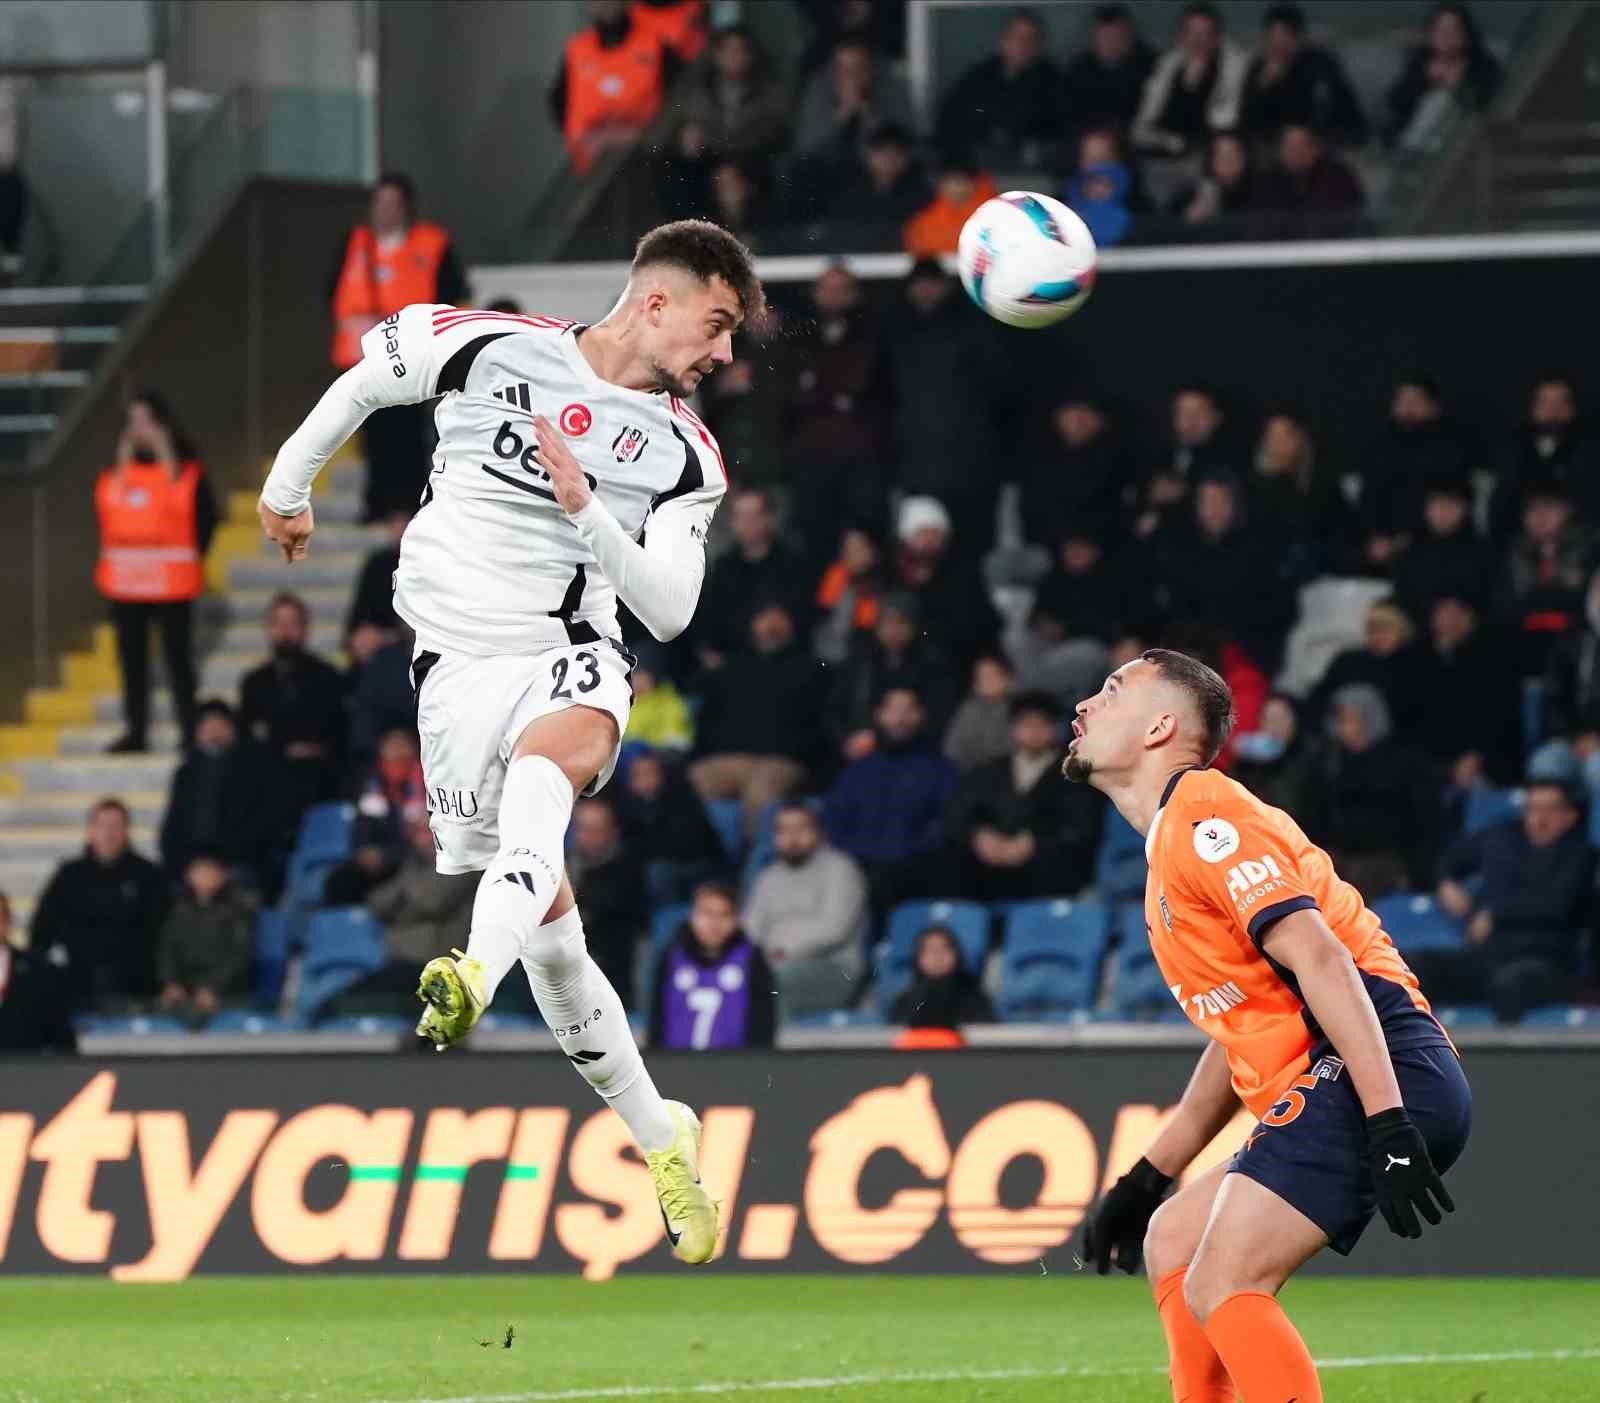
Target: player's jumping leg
point(1253, 1243)
point(1170, 1244)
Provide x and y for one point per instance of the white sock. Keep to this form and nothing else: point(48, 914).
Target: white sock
point(588, 1020)
point(518, 887)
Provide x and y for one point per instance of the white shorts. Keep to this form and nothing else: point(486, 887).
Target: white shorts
point(470, 712)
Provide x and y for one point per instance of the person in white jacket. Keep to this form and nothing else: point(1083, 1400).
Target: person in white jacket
point(1195, 88)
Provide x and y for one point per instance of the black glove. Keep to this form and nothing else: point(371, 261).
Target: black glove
point(1403, 1174)
point(1120, 1218)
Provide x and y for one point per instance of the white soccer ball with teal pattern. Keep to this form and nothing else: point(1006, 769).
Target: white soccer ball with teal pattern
point(1026, 259)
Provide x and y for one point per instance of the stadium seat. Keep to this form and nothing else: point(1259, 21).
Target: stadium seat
point(370, 1024)
point(968, 922)
point(763, 850)
point(272, 956)
point(125, 1025)
point(663, 926)
point(1415, 922)
point(727, 817)
point(1532, 713)
point(1051, 957)
point(1466, 1016)
point(493, 1022)
point(1486, 807)
point(840, 1018)
point(1119, 865)
point(240, 1020)
point(342, 945)
point(1563, 1016)
point(324, 837)
point(1139, 988)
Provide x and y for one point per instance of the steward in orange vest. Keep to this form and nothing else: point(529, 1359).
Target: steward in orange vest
point(612, 81)
point(678, 24)
point(389, 263)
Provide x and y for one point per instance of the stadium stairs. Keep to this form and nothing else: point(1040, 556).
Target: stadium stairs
point(53, 765)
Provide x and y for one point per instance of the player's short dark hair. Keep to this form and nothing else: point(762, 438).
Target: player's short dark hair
point(707, 251)
point(1034, 703)
point(1205, 687)
point(114, 805)
point(722, 891)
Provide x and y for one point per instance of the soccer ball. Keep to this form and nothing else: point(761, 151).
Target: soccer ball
point(1026, 259)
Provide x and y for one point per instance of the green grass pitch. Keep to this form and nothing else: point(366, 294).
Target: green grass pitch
point(864, 1339)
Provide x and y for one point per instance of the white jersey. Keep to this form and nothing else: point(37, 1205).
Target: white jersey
point(491, 564)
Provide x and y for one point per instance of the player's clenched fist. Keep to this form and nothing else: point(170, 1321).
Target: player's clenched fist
point(566, 477)
point(1118, 1222)
point(292, 533)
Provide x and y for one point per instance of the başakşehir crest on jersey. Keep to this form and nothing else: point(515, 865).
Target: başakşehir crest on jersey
point(491, 563)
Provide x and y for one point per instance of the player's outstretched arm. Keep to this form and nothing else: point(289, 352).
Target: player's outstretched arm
point(1403, 1173)
point(1115, 1227)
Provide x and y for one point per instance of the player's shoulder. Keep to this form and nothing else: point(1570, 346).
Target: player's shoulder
point(699, 441)
point(444, 320)
point(1208, 810)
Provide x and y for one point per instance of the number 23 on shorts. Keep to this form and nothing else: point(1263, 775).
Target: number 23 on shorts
point(587, 683)
point(1286, 1109)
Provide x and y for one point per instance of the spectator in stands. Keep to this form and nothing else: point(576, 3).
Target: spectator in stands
point(838, 415)
point(713, 989)
point(738, 99)
point(1450, 74)
point(871, 201)
point(294, 704)
point(744, 403)
point(1246, 679)
point(659, 717)
point(760, 722)
point(1466, 661)
point(228, 796)
point(896, 654)
point(738, 197)
point(613, 78)
point(954, 605)
point(206, 943)
point(1194, 89)
point(849, 595)
point(683, 172)
point(980, 731)
point(1369, 800)
point(1202, 438)
point(1390, 660)
point(759, 569)
point(807, 913)
point(1009, 107)
point(1545, 575)
point(1571, 705)
point(1018, 829)
point(382, 699)
point(1270, 761)
point(1102, 192)
point(35, 1008)
point(943, 992)
point(1082, 471)
point(1220, 203)
point(885, 809)
point(680, 25)
point(1310, 191)
point(879, 24)
point(1290, 498)
point(960, 186)
point(1525, 890)
point(665, 826)
point(1447, 555)
point(391, 261)
point(1552, 446)
point(98, 916)
point(1104, 83)
point(157, 517)
point(371, 622)
point(608, 879)
point(945, 444)
point(843, 102)
point(1419, 445)
point(1087, 591)
point(391, 797)
point(1295, 83)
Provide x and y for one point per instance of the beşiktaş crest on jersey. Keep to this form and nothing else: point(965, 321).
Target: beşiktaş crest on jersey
point(629, 444)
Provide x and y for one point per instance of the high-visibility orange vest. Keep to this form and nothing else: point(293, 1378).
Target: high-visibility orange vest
point(678, 26)
point(936, 228)
point(621, 84)
point(149, 546)
point(928, 1039)
point(377, 282)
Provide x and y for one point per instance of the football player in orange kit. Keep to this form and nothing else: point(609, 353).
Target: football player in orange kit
point(1315, 1023)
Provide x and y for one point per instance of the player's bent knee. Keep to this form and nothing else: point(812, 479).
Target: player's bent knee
point(556, 944)
point(1165, 1249)
point(579, 741)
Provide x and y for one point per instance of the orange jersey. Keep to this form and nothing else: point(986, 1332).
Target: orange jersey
point(1223, 867)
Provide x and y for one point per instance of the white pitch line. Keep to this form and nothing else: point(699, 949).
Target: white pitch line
point(845, 1381)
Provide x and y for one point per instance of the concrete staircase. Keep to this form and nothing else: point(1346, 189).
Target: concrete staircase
point(53, 765)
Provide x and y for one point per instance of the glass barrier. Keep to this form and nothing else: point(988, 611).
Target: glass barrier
point(52, 33)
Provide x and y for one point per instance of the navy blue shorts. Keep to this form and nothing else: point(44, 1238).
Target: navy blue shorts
point(1311, 1147)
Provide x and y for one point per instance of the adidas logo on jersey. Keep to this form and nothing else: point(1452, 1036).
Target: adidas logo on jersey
point(516, 395)
point(1213, 1001)
point(1248, 881)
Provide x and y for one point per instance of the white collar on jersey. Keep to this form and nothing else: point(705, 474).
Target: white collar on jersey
point(1150, 837)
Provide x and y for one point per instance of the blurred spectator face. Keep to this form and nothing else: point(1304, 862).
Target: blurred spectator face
point(1098, 148)
point(1413, 405)
point(753, 526)
point(956, 186)
point(900, 715)
point(108, 833)
point(937, 955)
point(733, 56)
point(1299, 150)
point(1384, 633)
point(1034, 732)
point(1079, 555)
point(928, 541)
point(927, 291)
point(594, 829)
point(732, 191)
point(836, 292)
point(1445, 513)
point(1278, 720)
point(858, 553)
point(1215, 508)
point(1350, 729)
point(1447, 35)
point(1020, 43)
point(991, 679)
point(1227, 160)
point(1545, 518)
point(1547, 816)
point(1111, 41)
point(205, 877)
point(397, 752)
point(1199, 36)
point(388, 211)
point(692, 140)
point(647, 776)
point(713, 920)
point(852, 70)
point(1280, 42)
point(772, 630)
point(286, 627)
point(143, 428)
point(1079, 423)
point(1451, 622)
point(1283, 446)
point(1554, 408)
point(214, 733)
point(887, 161)
point(895, 631)
point(1195, 417)
point(796, 836)
point(644, 680)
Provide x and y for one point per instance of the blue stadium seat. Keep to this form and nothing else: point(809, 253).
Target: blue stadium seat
point(124, 1025)
point(1532, 713)
point(1466, 1016)
point(1052, 955)
point(1119, 865)
point(1563, 1016)
point(840, 1018)
point(663, 926)
point(1140, 989)
point(369, 1024)
point(727, 817)
point(1415, 922)
point(240, 1020)
point(324, 836)
point(763, 850)
point(342, 944)
point(1487, 806)
point(967, 920)
point(272, 956)
point(492, 1022)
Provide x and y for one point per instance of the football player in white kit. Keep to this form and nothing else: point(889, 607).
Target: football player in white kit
point(569, 474)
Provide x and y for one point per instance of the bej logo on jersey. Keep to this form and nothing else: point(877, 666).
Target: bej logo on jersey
point(575, 420)
point(1215, 839)
point(629, 444)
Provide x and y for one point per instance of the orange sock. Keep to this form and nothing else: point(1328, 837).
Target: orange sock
point(1263, 1351)
point(1196, 1372)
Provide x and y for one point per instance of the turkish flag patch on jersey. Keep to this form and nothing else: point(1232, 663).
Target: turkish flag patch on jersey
point(575, 420)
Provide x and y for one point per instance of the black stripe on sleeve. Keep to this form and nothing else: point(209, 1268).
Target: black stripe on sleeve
point(454, 374)
point(692, 479)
